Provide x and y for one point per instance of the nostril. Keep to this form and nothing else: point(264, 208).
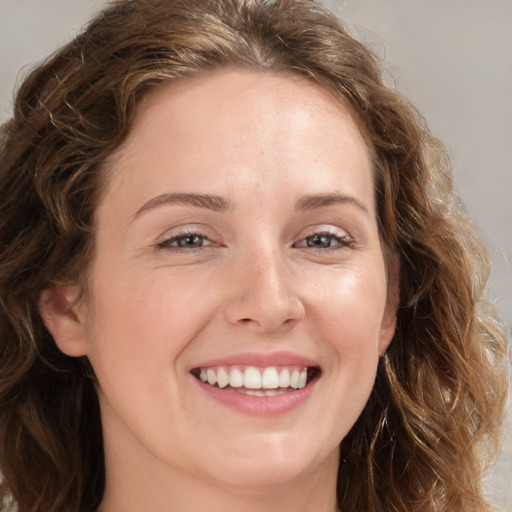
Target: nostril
point(247, 321)
point(266, 325)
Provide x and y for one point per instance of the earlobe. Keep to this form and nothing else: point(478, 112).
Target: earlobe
point(387, 332)
point(58, 311)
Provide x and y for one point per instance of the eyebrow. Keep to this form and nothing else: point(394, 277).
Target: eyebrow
point(206, 201)
point(312, 202)
point(220, 204)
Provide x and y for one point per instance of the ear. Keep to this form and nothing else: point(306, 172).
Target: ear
point(59, 311)
point(388, 325)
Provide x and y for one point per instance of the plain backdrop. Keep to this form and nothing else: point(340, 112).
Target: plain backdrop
point(452, 58)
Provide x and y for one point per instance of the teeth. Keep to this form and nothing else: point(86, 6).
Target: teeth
point(236, 378)
point(222, 378)
point(284, 378)
point(254, 381)
point(270, 379)
point(212, 376)
point(294, 379)
point(263, 392)
point(252, 378)
point(303, 378)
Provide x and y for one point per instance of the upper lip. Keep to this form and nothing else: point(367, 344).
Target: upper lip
point(259, 359)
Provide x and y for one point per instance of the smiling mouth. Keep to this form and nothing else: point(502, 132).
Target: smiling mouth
point(256, 381)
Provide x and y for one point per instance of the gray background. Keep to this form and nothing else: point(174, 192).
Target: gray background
point(453, 58)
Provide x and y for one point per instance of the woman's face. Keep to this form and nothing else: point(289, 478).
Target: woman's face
point(236, 242)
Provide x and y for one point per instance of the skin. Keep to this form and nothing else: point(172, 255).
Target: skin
point(262, 142)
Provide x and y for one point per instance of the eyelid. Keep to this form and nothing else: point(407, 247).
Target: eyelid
point(344, 238)
point(165, 242)
point(327, 229)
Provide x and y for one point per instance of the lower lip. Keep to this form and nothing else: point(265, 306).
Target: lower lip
point(258, 405)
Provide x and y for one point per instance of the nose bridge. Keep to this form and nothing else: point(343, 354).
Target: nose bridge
point(265, 297)
point(270, 276)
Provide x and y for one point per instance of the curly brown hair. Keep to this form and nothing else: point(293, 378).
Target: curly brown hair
point(432, 421)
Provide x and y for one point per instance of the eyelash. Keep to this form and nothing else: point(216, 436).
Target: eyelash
point(342, 242)
point(167, 243)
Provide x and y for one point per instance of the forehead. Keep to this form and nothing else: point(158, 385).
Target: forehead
point(232, 118)
point(229, 93)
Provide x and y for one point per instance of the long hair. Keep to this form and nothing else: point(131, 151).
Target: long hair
point(432, 421)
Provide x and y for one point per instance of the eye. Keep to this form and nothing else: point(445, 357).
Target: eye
point(185, 241)
point(325, 240)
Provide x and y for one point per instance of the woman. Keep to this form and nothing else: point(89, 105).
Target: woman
point(234, 276)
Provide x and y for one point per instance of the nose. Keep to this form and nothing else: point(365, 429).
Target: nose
point(264, 298)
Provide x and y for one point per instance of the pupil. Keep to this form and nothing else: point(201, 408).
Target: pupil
point(319, 241)
point(191, 241)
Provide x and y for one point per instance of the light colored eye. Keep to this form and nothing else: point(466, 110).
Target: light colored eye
point(186, 241)
point(324, 240)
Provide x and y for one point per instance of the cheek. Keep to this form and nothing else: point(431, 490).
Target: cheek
point(145, 325)
point(138, 333)
point(348, 313)
point(351, 305)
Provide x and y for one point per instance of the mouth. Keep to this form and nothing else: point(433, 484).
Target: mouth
point(258, 381)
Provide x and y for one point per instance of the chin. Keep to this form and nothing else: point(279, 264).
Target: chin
point(273, 462)
point(261, 475)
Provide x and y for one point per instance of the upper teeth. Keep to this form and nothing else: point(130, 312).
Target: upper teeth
point(255, 378)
